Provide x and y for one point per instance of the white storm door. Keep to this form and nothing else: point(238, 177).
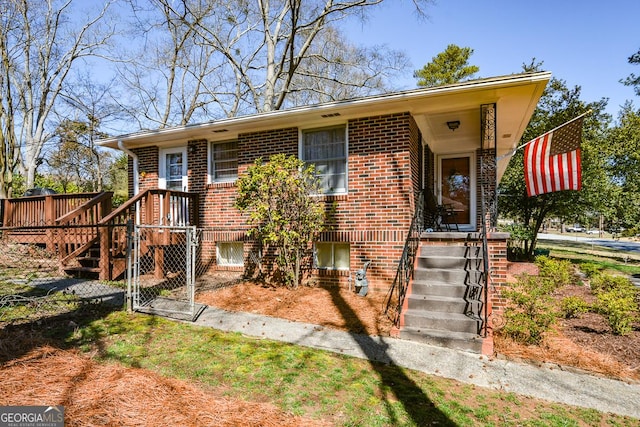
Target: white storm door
point(173, 169)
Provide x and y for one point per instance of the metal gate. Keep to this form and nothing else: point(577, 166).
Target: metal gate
point(162, 271)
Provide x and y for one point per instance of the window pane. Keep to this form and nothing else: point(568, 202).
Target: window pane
point(230, 253)
point(332, 256)
point(326, 149)
point(173, 171)
point(224, 161)
point(341, 256)
point(323, 255)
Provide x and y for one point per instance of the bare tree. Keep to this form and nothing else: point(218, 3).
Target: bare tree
point(172, 75)
point(42, 42)
point(224, 58)
point(87, 107)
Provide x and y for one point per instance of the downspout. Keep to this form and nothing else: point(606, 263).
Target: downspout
point(136, 183)
point(134, 156)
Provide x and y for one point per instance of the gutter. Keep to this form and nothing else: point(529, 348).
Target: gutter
point(134, 156)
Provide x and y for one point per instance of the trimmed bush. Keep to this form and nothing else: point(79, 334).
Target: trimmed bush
point(617, 301)
point(530, 312)
point(560, 272)
point(590, 269)
point(572, 307)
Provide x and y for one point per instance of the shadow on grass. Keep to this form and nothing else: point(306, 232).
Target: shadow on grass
point(41, 316)
point(416, 403)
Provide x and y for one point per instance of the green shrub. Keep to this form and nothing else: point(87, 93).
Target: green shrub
point(530, 311)
point(560, 272)
point(604, 282)
point(620, 309)
point(590, 269)
point(573, 306)
point(617, 301)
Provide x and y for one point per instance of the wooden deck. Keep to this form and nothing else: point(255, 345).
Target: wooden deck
point(84, 230)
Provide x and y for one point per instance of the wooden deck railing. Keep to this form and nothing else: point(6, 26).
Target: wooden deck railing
point(150, 207)
point(38, 211)
point(70, 224)
point(73, 235)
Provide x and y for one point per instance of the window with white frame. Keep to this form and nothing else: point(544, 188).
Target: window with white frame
point(223, 166)
point(332, 255)
point(326, 148)
point(230, 254)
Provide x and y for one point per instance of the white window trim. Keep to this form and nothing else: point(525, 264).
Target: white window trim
point(162, 167)
point(346, 151)
point(210, 171)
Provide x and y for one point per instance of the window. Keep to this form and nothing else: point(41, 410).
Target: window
point(327, 150)
point(332, 256)
point(230, 254)
point(224, 161)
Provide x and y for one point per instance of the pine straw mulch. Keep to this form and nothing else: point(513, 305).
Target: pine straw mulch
point(94, 393)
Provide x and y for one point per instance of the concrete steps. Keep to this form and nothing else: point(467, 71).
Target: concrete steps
point(436, 307)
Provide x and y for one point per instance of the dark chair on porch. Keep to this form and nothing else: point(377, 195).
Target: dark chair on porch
point(439, 217)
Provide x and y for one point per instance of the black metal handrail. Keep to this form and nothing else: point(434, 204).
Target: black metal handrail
point(404, 273)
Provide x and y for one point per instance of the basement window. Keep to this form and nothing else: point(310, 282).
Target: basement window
point(230, 254)
point(331, 255)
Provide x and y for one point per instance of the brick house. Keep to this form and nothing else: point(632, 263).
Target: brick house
point(376, 155)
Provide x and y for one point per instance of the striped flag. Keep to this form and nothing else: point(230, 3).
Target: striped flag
point(552, 161)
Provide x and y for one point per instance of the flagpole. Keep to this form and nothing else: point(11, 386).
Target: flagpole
point(511, 153)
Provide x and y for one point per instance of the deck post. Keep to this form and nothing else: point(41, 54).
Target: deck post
point(158, 254)
point(49, 220)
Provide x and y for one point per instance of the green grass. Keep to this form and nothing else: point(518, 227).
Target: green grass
point(22, 301)
point(608, 260)
point(313, 383)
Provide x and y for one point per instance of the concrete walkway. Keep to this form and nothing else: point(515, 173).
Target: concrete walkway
point(550, 382)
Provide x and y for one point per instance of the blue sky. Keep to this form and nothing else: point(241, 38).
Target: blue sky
point(586, 43)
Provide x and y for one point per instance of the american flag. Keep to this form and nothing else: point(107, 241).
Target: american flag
point(552, 161)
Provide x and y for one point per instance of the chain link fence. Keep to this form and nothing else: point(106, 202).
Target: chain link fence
point(48, 270)
point(51, 270)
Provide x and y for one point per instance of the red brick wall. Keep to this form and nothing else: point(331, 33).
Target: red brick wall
point(375, 215)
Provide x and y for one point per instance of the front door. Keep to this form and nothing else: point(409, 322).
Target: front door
point(173, 176)
point(457, 187)
point(173, 169)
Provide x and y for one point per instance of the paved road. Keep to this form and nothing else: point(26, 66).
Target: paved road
point(622, 245)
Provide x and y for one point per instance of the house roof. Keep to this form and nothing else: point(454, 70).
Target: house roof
point(516, 97)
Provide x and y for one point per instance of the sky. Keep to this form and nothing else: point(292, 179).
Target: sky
point(585, 43)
